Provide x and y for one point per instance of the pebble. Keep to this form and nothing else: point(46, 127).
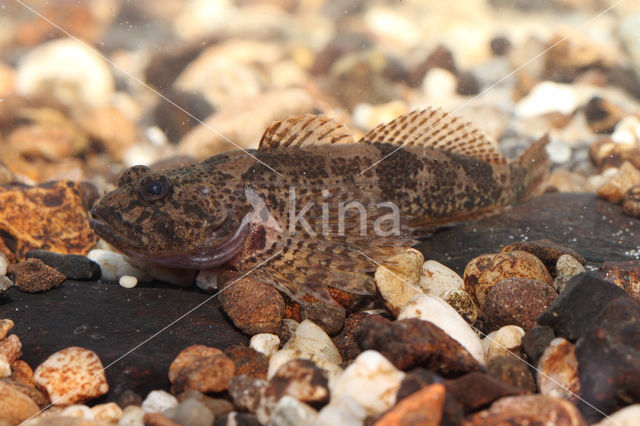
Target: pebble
point(545, 250)
point(33, 276)
point(477, 390)
point(4, 263)
point(371, 381)
point(483, 272)
point(248, 361)
point(547, 97)
point(5, 283)
point(631, 202)
point(529, 409)
point(158, 401)
point(51, 215)
point(438, 312)
point(132, 416)
point(617, 186)
point(190, 412)
point(312, 342)
point(397, 284)
point(6, 325)
point(217, 406)
point(74, 74)
point(463, 303)
point(437, 279)
point(71, 375)
point(608, 155)
point(423, 407)
point(503, 342)
point(575, 309)
point(254, 307)
point(343, 411)
point(207, 280)
point(346, 341)
point(329, 319)
point(627, 416)
point(602, 115)
point(108, 413)
point(114, 265)
point(535, 341)
point(439, 83)
point(5, 367)
point(201, 368)
point(128, 281)
point(73, 266)
point(301, 379)
point(517, 301)
point(557, 374)
point(289, 411)
point(627, 131)
point(157, 419)
point(559, 151)
point(78, 411)
point(412, 342)
point(500, 45)
point(265, 343)
point(237, 419)
point(568, 266)
point(624, 274)
point(15, 406)
point(11, 348)
point(512, 371)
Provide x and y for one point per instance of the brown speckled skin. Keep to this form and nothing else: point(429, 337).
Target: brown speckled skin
point(207, 203)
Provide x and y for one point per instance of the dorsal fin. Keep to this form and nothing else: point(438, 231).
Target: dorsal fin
point(305, 130)
point(437, 129)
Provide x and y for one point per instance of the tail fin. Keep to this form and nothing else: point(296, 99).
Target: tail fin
point(535, 162)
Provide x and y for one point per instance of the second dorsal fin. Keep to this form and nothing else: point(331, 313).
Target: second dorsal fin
point(305, 130)
point(437, 129)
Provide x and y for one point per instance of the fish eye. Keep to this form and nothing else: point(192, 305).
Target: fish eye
point(153, 188)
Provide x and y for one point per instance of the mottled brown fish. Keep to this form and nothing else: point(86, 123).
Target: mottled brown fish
point(312, 208)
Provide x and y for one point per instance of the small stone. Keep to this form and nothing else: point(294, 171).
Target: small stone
point(329, 319)
point(115, 265)
point(500, 45)
point(468, 84)
point(15, 406)
point(439, 83)
point(627, 416)
point(253, 307)
point(248, 394)
point(6, 325)
point(560, 283)
point(34, 276)
point(301, 379)
point(579, 304)
point(617, 186)
point(108, 413)
point(22, 373)
point(344, 411)
point(517, 301)
point(11, 348)
point(476, 390)
point(265, 343)
point(557, 373)
point(627, 131)
point(290, 411)
point(503, 342)
point(410, 343)
point(5, 283)
point(157, 419)
point(128, 398)
point(602, 115)
point(201, 368)
point(5, 367)
point(483, 272)
point(175, 122)
point(192, 412)
point(438, 312)
point(440, 57)
point(371, 380)
point(157, 401)
point(132, 416)
point(608, 155)
point(624, 274)
point(512, 371)
point(29, 390)
point(4, 264)
point(78, 411)
point(128, 281)
point(569, 266)
point(528, 409)
point(218, 406)
point(423, 407)
point(437, 279)
point(311, 340)
point(237, 419)
point(71, 375)
point(631, 202)
point(545, 250)
point(73, 266)
point(398, 283)
point(547, 97)
point(248, 361)
point(345, 341)
point(535, 341)
point(463, 303)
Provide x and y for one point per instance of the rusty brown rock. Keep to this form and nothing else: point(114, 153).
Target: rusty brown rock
point(253, 307)
point(616, 187)
point(33, 276)
point(421, 408)
point(528, 409)
point(15, 406)
point(557, 374)
point(517, 301)
point(477, 390)
point(248, 361)
point(631, 202)
point(512, 371)
point(22, 372)
point(624, 274)
point(201, 368)
point(483, 272)
point(50, 216)
point(546, 250)
point(345, 341)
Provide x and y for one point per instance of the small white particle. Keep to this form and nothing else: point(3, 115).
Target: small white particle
point(128, 281)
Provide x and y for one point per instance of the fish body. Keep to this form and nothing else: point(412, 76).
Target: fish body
point(312, 208)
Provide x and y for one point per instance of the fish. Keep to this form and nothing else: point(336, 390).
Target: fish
point(312, 208)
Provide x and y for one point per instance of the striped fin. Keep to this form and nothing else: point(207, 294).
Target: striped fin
point(437, 129)
point(305, 130)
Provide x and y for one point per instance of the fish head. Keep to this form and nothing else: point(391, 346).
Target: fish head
point(174, 218)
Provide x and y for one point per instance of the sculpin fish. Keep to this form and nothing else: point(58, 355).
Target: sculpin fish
point(311, 208)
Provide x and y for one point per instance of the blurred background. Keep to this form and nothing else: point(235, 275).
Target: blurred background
point(90, 87)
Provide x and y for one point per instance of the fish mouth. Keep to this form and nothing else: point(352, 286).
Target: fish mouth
point(205, 258)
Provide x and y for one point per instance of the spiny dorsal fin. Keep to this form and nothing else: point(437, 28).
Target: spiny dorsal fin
point(305, 130)
point(437, 129)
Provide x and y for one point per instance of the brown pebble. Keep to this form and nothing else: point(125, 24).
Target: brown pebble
point(528, 410)
point(157, 419)
point(512, 371)
point(420, 408)
point(15, 406)
point(345, 341)
point(301, 379)
point(602, 115)
point(5, 327)
point(631, 202)
point(546, 250)
point(22, 372)
point(248, 361)
point(616, 187)
point(11, 348)
point(624, 274)
point(33, 275)
point(500, 45)
point(201, 368)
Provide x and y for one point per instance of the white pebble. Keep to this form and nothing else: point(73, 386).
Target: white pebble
point(289, 411)
point(5, 367)
point(568, 265)
point(109, 412)
point(627, 416)
point(128, 281)
point(371, 380)
point(547, 97)
point(132, 416)
point(4, 264)
point(283, 356)
point(265, 343)
point(558, 151)
point(192, 412)
point(437, 279)
point(311, 339)
point(114, 265)
point(627, 131)
point(158, 400)
point(78, 411)
point(398, 282)
point(439, 83)
point(437, 311)
point(505, 341)
point(344, 411)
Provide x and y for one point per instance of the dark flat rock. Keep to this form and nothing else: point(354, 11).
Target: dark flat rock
point(112, 321)
point(595, 228)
